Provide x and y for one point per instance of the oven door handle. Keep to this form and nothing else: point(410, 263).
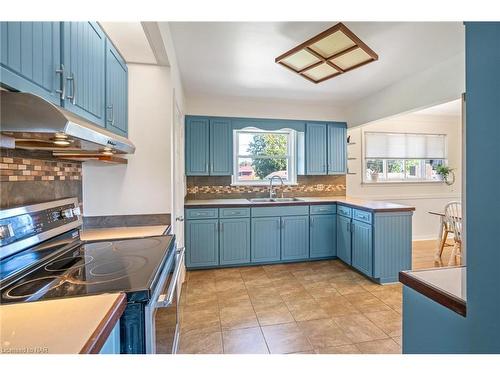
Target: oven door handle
point(165, 300)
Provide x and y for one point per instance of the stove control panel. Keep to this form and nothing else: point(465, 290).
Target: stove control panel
point(28, 224)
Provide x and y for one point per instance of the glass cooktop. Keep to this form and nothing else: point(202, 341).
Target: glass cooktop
point(128, 265)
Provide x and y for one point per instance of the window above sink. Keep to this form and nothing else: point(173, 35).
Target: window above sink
point(261, 154)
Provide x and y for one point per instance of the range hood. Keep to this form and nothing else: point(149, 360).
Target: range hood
point(36, 124)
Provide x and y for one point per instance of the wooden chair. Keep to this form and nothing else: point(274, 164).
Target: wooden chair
point(453, 215)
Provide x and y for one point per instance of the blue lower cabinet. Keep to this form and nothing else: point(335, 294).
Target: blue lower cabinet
point(323, 236)
point(294, 237)
point(344, 238)
point(362, 249)
point(234, 241)
point(202, 243)
point(266, 246)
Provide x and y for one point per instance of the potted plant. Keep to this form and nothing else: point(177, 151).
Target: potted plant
point(373, 172)
point(446, 174)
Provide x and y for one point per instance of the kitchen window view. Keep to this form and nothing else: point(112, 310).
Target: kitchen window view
point(403, 157)
point(261, 155)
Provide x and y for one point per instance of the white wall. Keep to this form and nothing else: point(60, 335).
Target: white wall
point(263, 108)
point(439, 84)
point(425, 196)
point(143, 185)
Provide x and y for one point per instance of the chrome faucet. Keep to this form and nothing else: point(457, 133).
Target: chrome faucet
point(272, 192)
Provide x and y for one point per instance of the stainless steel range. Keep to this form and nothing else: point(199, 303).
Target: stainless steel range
point(42, 257)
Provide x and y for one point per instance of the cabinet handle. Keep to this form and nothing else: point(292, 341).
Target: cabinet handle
point(352, 227)
point(348, 227)
point(72, 97)
point(62, 82)
point(312, 221)
point(222, 227)
point(206, 167)
point(111, 120)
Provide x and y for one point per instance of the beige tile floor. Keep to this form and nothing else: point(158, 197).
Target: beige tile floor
point(313, 307)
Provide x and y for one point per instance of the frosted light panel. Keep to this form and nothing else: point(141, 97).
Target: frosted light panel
point(320, 72)
point(351, 59)
point(332, 44)
point(300, 60)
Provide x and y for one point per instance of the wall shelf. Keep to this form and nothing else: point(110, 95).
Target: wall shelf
point(351, 143)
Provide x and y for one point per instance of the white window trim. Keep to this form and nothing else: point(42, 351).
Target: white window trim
point(292, 153)
point(365, 180)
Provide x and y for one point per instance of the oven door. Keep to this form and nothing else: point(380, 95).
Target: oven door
point(162, 320)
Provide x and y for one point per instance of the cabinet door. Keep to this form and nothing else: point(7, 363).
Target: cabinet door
point(266, 245)
point(116, 91)
point(30, 57)
point(197, 140)
point(202, 243)
point(337, 148)
point(344, 238)
point(294, 237)
point(362, 254)
point(234, 241)
point(84, 70)
point(221, 147)
point(316, 149)
point(323, 236)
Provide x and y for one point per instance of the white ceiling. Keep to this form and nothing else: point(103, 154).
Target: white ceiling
point(237, 58)
point(131, 41)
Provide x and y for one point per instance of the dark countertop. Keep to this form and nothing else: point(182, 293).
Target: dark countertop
point(375, 206)
point(446, 286)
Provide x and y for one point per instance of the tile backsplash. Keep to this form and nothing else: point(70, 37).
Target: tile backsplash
point(28, 177)
point(215, 187)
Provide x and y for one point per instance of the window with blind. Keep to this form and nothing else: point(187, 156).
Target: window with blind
point(404, 157)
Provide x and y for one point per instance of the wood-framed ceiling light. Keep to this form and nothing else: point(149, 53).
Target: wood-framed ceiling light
point(328, 54)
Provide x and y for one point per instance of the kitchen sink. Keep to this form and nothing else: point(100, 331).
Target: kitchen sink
point(274, 200)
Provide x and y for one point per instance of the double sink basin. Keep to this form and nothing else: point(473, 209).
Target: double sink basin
point(273, 200)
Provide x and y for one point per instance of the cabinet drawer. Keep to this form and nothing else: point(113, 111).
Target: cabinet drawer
point(362, 216)
point(280, 211)
point(323, 209)
point(344, 211)
point(202, 213)
point(234, 212)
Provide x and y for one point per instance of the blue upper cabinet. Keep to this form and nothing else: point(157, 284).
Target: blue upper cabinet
point(84, 47)
point(221, 147)
point(209, 146)
point(116, 91)
point(316, 149)
point(30, 58)
point(197, 146)
point(337, 148)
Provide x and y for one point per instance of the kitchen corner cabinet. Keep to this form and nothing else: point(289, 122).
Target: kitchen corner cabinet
point(84, 46)
point(70, 64)
point(326, 148)
point(30, 58)
point(116, 114)
point(209, 146)
point(362, 251)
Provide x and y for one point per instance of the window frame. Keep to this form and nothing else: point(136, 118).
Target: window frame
point(291, 156)
point(405, 180)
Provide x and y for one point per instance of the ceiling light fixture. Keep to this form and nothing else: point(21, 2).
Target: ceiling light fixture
point(328, 54)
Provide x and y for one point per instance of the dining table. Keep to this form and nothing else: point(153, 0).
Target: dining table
point(444, 230)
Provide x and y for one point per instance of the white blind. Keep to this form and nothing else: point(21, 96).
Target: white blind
point(404, 146)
